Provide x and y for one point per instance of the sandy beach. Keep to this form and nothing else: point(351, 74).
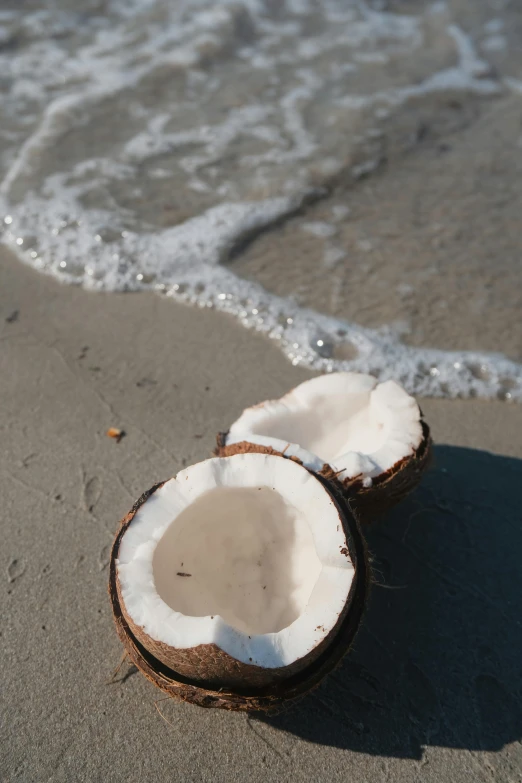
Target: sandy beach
point(344, 178)
point(432, 688)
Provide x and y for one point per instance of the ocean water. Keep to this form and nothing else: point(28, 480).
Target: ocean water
point(144, 144)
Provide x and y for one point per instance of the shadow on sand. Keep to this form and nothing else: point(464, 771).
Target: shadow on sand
point(438, 660)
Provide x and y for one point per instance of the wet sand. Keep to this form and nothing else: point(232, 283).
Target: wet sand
point(430, 240)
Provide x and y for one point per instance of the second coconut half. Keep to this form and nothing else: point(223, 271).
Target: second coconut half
point(368, 437)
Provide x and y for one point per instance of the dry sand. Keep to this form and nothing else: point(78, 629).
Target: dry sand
point(432, 689)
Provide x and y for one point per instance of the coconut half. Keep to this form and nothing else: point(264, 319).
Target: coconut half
point(239, 583)
point(368, 436)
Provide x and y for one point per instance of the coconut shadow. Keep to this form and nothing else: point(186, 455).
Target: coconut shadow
point(437, 659)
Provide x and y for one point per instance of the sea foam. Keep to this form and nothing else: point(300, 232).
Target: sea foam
point(143, 146)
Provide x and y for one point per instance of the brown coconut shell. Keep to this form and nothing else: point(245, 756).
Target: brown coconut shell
point(386, 491)
point(207, 676)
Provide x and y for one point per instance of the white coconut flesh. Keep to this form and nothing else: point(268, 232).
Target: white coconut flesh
point(245, 552)
point(346, 420)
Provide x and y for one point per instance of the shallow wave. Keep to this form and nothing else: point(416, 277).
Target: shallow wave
point(143, 145)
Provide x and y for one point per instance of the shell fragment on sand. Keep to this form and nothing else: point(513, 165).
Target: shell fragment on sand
point(368, 436)
point(240, 583)
point(115, 433)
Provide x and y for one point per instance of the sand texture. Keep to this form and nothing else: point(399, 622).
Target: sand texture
point(432, 689)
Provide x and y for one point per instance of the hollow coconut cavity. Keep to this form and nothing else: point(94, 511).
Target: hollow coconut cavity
point(370, 437)
point(239, 583)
